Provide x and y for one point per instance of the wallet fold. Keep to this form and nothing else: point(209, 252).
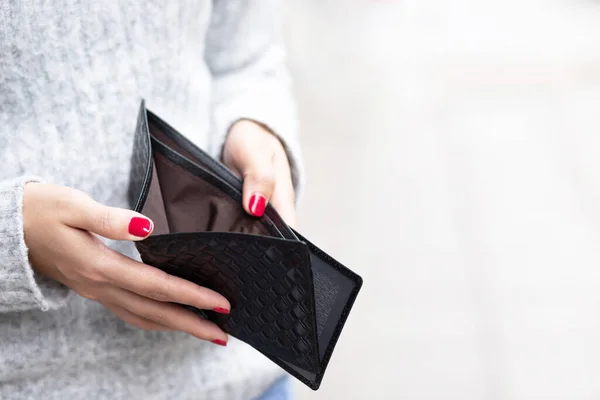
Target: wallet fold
point(289, 299)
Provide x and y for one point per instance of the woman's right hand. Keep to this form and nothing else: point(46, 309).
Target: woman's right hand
point(60, 224)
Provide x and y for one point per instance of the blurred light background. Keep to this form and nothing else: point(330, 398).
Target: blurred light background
point(453, 160)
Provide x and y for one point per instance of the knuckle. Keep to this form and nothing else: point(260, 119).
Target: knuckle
point(161, 287)
point(91, 275)
point(158, 294)
point(63, 207)
point(62, 204)
point(158, 316)
point(200, 299)
point(94, 276)
point(147, 326)
point(89, 294)
point(131, 320)
point(202, 304)
point(137, 322)
point(83, 274)
point(66, 199)
point(202, 332)
point(94, 271)
point(264, 179)
point(103, 254)
point(104, 222)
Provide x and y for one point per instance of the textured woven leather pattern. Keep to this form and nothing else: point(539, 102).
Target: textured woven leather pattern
point(268, 282)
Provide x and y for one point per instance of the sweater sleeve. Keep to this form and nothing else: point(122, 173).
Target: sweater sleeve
point(21, 288)
point(250, 80)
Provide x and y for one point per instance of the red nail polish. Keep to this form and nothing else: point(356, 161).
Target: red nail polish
point(257, 204)
point(140, 227)
point(220, 342)
point(221, 310)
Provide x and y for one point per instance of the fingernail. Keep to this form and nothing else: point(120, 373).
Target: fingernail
point(140, 227)
point(257, 204)
point(220, 342)
point(221, 310)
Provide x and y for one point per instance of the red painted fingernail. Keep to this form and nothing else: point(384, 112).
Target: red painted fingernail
point(257, 204)
point(220, 342)
point(221, 310)
point(140, 227)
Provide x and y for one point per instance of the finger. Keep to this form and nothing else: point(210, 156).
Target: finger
point(166, 314)
point(254, 163)
point(81, 211)
point(284, 198)
point(285, 209)
point(155, 284)
point(259, 183)
point(135, 320)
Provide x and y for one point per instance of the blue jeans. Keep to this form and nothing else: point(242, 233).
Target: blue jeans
point(280, 390)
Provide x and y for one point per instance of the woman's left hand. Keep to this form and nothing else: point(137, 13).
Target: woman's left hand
point(260, 159)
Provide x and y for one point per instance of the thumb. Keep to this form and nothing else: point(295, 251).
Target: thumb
point(109, 222)
point(259, 183)
point(257, 171)
point(249, 151)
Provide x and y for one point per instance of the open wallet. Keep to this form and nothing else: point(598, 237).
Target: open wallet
point(289, 299)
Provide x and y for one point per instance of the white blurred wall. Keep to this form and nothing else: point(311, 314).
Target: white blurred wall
point(453, 160)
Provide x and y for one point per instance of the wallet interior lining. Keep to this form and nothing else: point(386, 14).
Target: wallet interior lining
point(154, 207)
point(332, 290)
point(178, 201)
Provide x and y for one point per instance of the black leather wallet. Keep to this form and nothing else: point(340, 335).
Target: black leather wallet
point(289, 299)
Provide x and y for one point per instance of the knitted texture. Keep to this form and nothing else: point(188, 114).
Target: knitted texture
point(72, 75)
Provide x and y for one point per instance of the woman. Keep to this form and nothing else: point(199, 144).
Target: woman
point(80, 316)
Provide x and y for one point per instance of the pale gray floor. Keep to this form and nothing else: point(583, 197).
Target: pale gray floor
point(453, 159)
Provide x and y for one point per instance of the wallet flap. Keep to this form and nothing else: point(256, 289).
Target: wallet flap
point(266, 280)
point(335, 288)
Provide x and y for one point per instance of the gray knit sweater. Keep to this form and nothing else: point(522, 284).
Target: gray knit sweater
point(72, 74)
